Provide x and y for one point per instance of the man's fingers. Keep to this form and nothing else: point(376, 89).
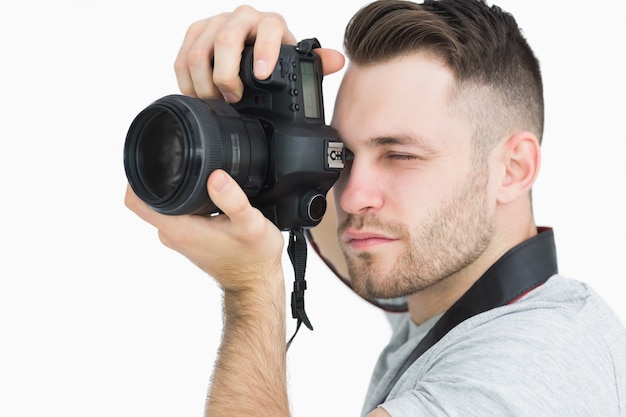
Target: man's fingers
point(195, 56)
point(332, 60)
point(228, 196)
point(208, 62)
point(272, 32)
point(229, 42)
point(245, 26)
point(141, 209)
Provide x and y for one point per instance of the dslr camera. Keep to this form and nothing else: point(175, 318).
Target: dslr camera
point(274, 143)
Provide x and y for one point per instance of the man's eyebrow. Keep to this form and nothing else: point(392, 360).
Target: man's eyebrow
point(400, 140)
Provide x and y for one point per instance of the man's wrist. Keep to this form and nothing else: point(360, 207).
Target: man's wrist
point(258, 295)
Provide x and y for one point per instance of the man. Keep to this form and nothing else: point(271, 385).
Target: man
point(441, 109)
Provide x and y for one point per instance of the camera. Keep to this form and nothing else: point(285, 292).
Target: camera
point(273, 142)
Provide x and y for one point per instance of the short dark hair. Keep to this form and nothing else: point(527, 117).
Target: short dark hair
point(498, 79)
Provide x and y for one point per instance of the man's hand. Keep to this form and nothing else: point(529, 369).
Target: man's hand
point(207, 65)
point(240, 248)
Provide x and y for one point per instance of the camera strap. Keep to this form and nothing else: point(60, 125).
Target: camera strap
point(297, 253)
point(519, 271)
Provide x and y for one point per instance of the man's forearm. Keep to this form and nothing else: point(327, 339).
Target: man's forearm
point(250, 373)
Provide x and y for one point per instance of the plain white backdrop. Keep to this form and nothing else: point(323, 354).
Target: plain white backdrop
point(98, 318)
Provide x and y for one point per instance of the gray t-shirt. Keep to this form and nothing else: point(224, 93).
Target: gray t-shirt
point(558, 351)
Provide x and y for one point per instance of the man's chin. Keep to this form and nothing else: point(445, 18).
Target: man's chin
point(372, 284)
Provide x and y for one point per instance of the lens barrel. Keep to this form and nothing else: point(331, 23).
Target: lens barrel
point(174, 144)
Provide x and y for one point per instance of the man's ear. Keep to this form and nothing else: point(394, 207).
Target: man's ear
point(521, 157)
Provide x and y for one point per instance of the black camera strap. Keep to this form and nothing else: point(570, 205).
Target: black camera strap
point(297, 253)
point(519, 271)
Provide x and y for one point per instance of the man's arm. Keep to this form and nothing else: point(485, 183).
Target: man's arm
point(242, 250)
point(250, 373)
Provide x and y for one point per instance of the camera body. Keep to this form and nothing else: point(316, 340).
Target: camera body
point(274, 143)
point(305, 154)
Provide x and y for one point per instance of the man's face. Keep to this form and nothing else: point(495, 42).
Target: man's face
point(413, 204)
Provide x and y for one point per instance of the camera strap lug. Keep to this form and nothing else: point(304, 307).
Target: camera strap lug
point(305, 46)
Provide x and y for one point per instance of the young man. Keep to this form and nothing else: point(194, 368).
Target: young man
point(441, 108)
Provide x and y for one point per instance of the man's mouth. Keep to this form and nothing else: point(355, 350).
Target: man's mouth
point(362, 240)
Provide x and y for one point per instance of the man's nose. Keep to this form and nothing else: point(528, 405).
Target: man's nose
point(359, 188)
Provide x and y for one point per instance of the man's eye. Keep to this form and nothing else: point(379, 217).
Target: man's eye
point(402, 157)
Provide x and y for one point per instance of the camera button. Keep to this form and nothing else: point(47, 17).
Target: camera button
point(313, 206)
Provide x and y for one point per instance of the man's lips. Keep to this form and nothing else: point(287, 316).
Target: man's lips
point(365, 240)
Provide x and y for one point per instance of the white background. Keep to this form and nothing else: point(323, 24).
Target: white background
point(98, 319)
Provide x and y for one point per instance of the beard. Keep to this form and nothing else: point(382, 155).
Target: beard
point(449, 239)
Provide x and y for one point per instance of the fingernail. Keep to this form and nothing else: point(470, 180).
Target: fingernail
point(261, 69)
point(230, 97)
point(220, 181)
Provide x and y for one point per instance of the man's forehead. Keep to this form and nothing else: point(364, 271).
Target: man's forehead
point(401, 102)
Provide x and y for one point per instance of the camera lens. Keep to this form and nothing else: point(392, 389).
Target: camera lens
point(160, 152)
point(174, 144)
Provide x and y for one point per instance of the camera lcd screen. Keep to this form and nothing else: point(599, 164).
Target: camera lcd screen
point(309, 88)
